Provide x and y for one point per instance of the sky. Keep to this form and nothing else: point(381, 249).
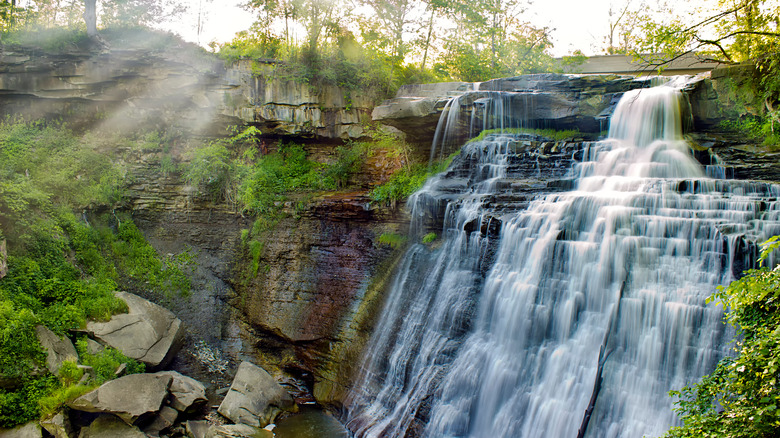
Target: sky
point(578, 24)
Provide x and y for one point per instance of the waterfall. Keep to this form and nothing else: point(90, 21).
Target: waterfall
point(586, 307)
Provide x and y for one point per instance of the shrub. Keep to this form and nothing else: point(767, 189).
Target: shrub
point(392, 240)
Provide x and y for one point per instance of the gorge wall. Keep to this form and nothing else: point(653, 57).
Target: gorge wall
point(311, 307)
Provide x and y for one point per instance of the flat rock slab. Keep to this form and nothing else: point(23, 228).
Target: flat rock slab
point(58, 349)
point(148, 333)
point(237, 431)
point(255, 398)
point(29, 430)
point(108, 426)
point(128, 397)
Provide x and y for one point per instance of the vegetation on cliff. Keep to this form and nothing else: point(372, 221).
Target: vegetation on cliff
point(67, 253)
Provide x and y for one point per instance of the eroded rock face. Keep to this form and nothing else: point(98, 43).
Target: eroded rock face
point(179, 86)
point(129, 397)
point(255, 398)
point(58, 349)
point(148, 333)
point(286, 107)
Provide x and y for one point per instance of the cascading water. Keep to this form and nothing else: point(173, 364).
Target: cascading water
point(589, 309)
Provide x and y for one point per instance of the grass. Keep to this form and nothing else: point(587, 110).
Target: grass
point(552, 134)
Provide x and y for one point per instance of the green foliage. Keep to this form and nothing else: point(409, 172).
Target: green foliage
point(392, 240)
point(755, 128)
point(351, 159)
point(70, 373)
point(277, 174)
point(217, 173)
point(408, 180)
point(63, 269)
point(49, 39)
point(551, 134)
point(740, 398)
point(429, 238)
point(22, 405)
point(106, 362)
point(19, 348)
point(143, 267)
point(56, 399)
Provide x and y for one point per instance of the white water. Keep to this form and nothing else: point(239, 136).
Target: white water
point(616, 270)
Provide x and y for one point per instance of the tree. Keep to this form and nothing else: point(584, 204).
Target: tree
point(90, 17)
point(737, 31)
point(314, 15)
point(741, 398)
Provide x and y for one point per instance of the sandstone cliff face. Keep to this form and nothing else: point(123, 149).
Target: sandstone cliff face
point(286, 107)
point(182, 87)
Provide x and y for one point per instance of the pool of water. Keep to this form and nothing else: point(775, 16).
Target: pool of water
point(310, 422)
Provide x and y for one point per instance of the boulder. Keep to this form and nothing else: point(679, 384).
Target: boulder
point(148, 333)
point(109, 426)
point(129, 397)
point(186, 393)
point(237, 431)
point(163, 420)
point(58, 349)
point(29, 430)
point(197, 429)
point(58, 426)
point(255, 398)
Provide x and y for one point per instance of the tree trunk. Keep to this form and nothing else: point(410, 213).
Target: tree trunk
point(90, 17)
point(427, 41)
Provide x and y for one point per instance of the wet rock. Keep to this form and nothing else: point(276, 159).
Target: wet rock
point(58, 349)
point(186, 393)
point(237, 431)
point(58, 425)
point(129, 397)
point(29, 430)
point(109, 426)
point(255, 398)
point(148, 333)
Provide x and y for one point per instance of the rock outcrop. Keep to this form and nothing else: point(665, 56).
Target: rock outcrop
point(148, 333)
point(187, 393)
point(286, 107)
point(177, 85)
point(58, 349)
point(544, 100)
point(129, 397)
point(255, 398)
